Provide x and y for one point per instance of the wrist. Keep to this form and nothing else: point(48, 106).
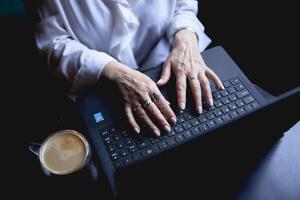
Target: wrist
point(187, 37)
point(113, 70)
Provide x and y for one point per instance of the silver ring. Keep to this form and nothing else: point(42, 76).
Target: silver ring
point(146, 103)
point(193, 78)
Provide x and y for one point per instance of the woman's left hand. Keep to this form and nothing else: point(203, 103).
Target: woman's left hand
point(186, 62)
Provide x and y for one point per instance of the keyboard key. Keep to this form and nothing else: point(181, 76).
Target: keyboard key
point(226, 84)
point(127, 161)
point(132, 148)
point(171, 141)
point(239, 87)
point(104, 133)
point(218, 112)
point(186, 125)
point(171, 133)
point(110, 149)
point(231, 90)
point(233, 114)
point(226, 118)
point(210, 116)
point(225, 109)
point(213, 89)
point(195, 131)
point(232, 97)
point(136, 156)
point(232, 106)
point(195, 122)
point(248, 99)
point(163, 137)
point(112, 131)
point(119, 145)
point(218, 103)
point(224, 93)
point(187, 116)
point(234, 81)
point(211, 124)
point(217, 95)
point(178, 129)
point(142, 144)
point(242, 93)
point(255, 105)
point(187, 134)
point(128, 141)
point(162, 145)
point(179, 138)
point(180, 119)
point(240, 103)
point(202, 119)
point(123, 152)
point(241, 111)
point(218, 121)
point(115, 137)
point(203, 128)
point(114, 156)
point(225, 100)
point(107, 141)
point(148, 151)
point(248, 108)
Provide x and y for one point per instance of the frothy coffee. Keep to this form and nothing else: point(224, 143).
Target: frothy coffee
point(64, 152)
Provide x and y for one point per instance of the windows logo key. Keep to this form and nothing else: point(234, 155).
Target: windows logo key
point(98, 117)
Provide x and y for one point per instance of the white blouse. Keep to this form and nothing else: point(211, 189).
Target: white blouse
point(79, 37)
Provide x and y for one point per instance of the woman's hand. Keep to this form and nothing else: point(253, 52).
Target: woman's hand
point(186, 62)
point(143, 99)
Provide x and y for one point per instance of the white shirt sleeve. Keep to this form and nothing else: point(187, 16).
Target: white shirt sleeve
point(185, 16)
point(68, 58)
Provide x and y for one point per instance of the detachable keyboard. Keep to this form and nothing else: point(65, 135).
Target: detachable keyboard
point(126, 148)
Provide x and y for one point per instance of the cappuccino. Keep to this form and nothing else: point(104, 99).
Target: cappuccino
point(64, 152)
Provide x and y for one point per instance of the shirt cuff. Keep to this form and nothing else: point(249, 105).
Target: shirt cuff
point(90, 70)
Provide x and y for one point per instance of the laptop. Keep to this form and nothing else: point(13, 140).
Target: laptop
point(123, 153)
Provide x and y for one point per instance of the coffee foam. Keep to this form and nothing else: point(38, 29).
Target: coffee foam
point(63, 153)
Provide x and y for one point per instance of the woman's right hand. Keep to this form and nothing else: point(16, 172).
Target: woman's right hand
point(143, 99)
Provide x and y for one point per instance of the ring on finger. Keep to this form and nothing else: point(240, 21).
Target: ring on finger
point(193, 78)
point(146, 103)
point(155, 97)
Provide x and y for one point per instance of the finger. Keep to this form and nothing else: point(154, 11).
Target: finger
point(166, 73)
point(205, 86)
point(131, 119)
point(212, 76)
point(164, 106)
point(155, 114)
point(181, 90)
point(196, 92)
point(142, 115)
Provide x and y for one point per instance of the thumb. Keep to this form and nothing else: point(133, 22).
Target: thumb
point(166, 73)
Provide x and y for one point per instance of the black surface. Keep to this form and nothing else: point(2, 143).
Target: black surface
point(259, 35)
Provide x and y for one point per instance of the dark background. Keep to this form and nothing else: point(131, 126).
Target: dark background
point(261, 36)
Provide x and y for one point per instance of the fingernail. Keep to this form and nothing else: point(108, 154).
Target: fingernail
point(156, 132)
point(211, 103)
point(182, 106)
point(173, 120)
point(159, 81)
point(200, 110)
point(137, 130)
point(168, 102)
point(222, 87)
point(167, 128)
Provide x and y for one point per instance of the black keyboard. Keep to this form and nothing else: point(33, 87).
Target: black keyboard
point(126, 148)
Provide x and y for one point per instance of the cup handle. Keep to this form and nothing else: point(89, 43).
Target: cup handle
point(35, 148)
